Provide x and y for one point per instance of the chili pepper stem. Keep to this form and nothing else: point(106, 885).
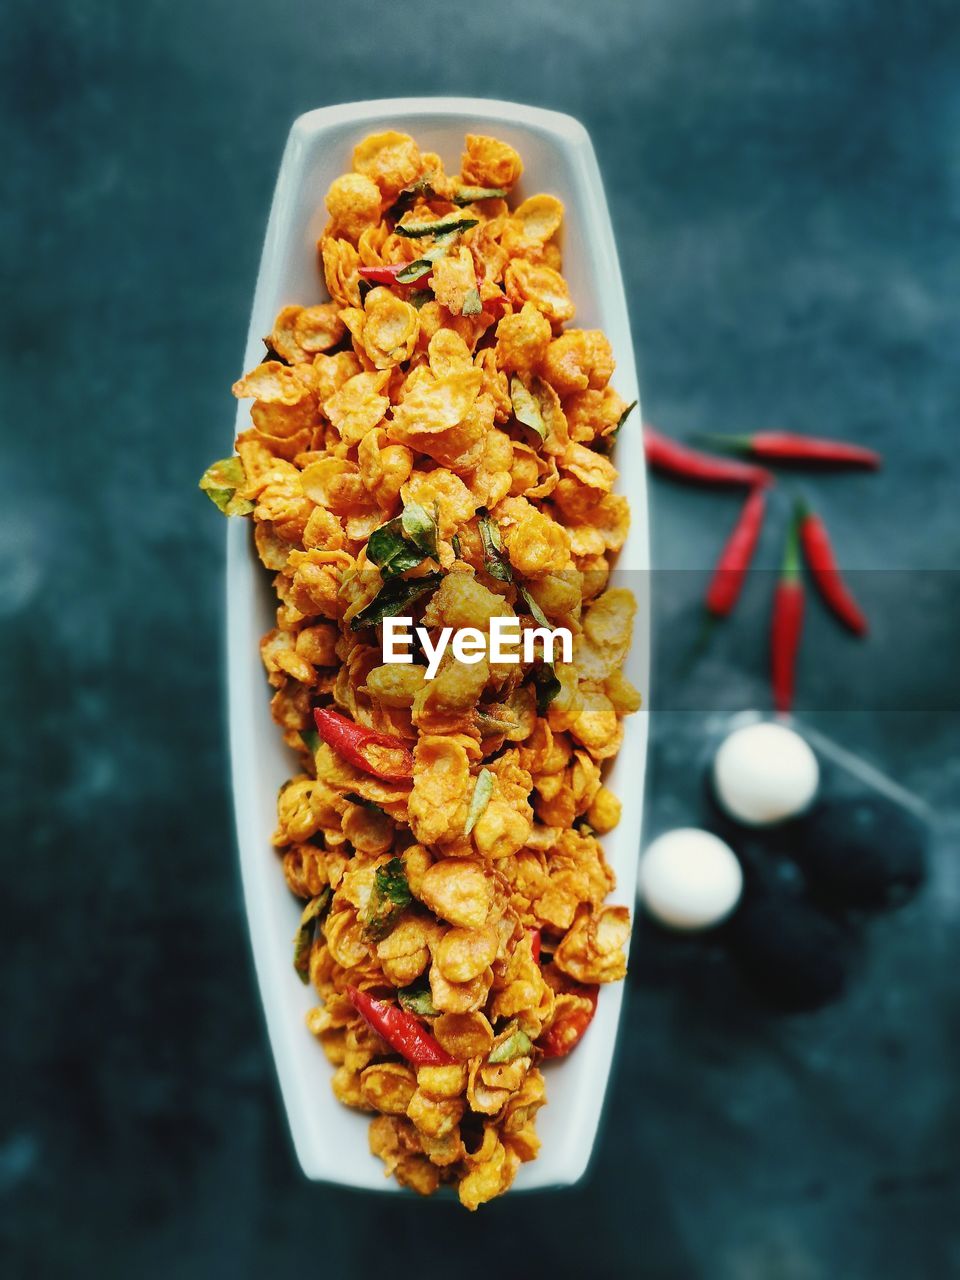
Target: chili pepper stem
point(791, 564)
point(732, 444)
point(787, 622)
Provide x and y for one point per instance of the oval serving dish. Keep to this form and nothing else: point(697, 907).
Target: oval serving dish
point(331, 1140)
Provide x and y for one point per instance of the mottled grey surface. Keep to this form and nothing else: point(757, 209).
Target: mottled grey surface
point(785, 185)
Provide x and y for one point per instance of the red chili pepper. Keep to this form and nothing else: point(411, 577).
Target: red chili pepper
point(679, 460)
point(382, 275)
point(400, 1029)
point(734, 561)
point(568, 1030)
point(787, 622)
point(823, 566)
point(497, 303)
point(364, 747)
point(787, 446)
point(535, 944)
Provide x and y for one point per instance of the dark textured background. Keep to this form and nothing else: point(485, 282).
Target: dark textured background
point(785, 185)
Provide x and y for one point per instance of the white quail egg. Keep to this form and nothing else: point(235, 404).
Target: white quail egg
point(689, 879)
point(765, 773)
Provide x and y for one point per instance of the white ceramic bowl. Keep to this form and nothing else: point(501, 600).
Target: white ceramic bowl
point(330, 1140)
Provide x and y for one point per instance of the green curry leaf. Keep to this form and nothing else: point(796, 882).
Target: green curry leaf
point(620, 421)
point(220, 483)
point(546, 684)
point(403, 542)
point(539, 617)
point(394, 595)
point(303, 939)
point(417, 998)
point(390, 551)
point(420, 527)
point(495, 562)
point(388, 897)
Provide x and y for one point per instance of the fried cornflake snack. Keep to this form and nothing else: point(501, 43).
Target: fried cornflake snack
point(487, 162)
point(459, 891)
point(455, 280)
point(341, 270)
point(592, 948)
point(391, 160)
point(388, 330)
point(544, 287)
point(523, 339)
point(358, 405)
point(539, 218)
point(433, 441)
point(284, 404)
point(353, 203)
point(318, 328)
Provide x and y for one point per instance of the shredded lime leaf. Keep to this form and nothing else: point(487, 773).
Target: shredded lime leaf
point(417, 999)
point(517, 1045)
point(417, 230)
point(469, 195)
point(526, 406)
point(482, 791)
point(440, 247)
point(490, 723)
point(422, 267)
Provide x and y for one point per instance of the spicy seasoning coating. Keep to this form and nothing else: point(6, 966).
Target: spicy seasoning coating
point(435, 441)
